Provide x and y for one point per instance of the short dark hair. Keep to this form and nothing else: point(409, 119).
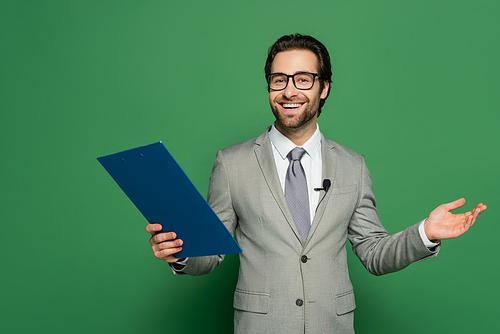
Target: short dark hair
point(303, 42)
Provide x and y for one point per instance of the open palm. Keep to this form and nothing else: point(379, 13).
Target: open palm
point(442, 224)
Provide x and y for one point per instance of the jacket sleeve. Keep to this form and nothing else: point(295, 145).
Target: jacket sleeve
point(380, 252)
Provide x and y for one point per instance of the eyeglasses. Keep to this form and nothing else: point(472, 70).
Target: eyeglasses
point(301, 80)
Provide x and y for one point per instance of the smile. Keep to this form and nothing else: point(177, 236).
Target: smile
point(291, 105)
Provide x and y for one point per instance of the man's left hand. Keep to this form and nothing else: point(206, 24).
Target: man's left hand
point(442, 224)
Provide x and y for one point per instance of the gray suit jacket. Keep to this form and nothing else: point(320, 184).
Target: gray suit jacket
point(284, 286)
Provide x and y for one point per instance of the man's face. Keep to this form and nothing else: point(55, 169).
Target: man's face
point(294, 108)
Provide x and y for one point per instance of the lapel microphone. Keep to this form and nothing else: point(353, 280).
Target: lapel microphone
point(326, 185)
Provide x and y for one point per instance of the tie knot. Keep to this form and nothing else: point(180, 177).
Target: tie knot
point(296, 154)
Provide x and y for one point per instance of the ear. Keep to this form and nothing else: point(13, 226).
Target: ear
point(326, 88)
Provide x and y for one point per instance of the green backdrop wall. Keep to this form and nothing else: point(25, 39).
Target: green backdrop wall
point(415, 90)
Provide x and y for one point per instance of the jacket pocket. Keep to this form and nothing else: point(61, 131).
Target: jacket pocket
point(344, 190)
point(344, 303)
point(257, 302)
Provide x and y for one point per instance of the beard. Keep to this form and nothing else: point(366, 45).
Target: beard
point(298, 120)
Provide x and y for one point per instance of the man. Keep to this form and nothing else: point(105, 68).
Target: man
point(293, 198)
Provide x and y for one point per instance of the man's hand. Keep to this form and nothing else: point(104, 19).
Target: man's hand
point(164, 245)
point(442, 224)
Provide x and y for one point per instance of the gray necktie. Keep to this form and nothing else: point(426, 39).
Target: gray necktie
point(296, 193)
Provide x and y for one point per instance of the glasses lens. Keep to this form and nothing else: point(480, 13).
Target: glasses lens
point(277, 81)
point(304, 80)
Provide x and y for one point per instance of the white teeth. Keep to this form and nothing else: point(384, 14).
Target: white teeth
point(291, 105)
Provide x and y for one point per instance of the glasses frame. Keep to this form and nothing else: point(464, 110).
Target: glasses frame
point(293, 80)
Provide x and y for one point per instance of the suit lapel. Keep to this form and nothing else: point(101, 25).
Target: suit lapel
point(265, 158)
point(329, 169)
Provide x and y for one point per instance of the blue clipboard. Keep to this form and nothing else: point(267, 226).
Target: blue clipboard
point(163, 193)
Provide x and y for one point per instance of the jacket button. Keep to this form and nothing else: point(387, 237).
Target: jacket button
point(299, 302)
point(303, 259)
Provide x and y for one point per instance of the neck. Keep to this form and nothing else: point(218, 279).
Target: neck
point(299, 136)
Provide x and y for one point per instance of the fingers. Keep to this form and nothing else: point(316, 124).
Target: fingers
point(455, 204)
point(164, 245)
point(166, 250)
point(158, 246)
point(471, 216)
point(470, 219)
point(477, 211)
point(153, 228)
point(162, 237)
point(481, 207)
point(156, 237)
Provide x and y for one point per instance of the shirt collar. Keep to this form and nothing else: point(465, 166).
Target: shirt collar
point(284, 145)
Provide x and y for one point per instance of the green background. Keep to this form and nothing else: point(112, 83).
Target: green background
point(415, 89)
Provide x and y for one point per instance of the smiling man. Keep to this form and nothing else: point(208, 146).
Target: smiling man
point(295, 106)
point(293, 198)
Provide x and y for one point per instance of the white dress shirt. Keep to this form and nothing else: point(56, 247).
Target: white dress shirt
point(311, 162)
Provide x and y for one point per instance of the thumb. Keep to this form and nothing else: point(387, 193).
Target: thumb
point(455, 204)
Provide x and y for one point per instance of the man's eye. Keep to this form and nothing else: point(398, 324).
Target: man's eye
point(303, 79)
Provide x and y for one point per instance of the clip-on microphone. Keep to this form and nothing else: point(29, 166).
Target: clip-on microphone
point(326, 185)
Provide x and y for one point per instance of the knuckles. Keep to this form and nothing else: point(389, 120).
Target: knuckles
point(164, 245)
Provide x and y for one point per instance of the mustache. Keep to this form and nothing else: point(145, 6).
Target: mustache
point(293, 100)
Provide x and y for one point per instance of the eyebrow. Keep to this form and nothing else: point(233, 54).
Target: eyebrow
point(291, 74)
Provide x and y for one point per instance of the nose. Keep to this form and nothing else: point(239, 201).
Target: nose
point(290, 90)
